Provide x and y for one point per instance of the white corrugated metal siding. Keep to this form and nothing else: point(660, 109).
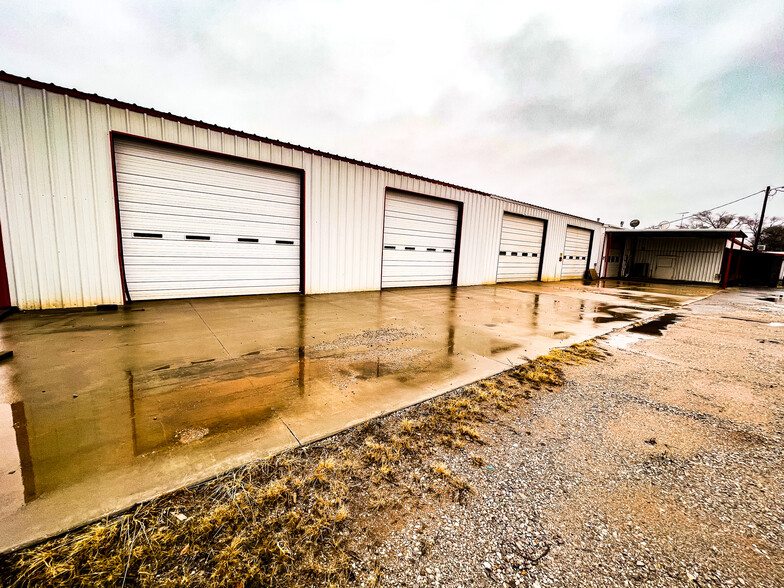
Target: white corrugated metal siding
point(577, 244)
point(520, 250)
point(58, 210)
point(419, 241)
point(696, 259)
point(200, 225)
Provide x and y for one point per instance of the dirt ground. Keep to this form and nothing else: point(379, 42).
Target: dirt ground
point(653, 458)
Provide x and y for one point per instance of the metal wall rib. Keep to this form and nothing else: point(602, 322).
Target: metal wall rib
point(58, 211)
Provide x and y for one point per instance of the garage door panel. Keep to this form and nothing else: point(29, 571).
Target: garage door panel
point(422, 214)
point(520, 249)
point(175, 223)
point(141, 247)
point(421, 205)
point(166, 194)
point(419, 241)
point(207, 260)
point(195, 159)
point(238, 201)
point(186, 163)
point(163, 211)
point(209, 289)
point(250, 189)
point(577, 245)
point(420, 227)
point(182, 274)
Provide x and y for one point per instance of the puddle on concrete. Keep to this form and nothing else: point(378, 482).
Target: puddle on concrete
point(777, 299)
point(615, 313)
point(657, 326)
point(124, 406)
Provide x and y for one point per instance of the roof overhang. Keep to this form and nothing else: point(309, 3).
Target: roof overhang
point(676, 233)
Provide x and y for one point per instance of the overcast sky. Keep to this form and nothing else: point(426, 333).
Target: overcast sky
point(611, 109)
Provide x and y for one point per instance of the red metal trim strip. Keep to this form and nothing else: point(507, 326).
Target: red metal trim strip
point(123, 281)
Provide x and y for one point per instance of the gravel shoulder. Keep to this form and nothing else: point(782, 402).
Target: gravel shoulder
point(659, 466)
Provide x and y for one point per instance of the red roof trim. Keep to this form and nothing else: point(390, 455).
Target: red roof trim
point(73, 92)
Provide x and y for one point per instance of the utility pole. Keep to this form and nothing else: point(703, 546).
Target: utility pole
point(762, 219)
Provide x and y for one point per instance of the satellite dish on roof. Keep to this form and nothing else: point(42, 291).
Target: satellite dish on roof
point(664, 225)
point(634, 224)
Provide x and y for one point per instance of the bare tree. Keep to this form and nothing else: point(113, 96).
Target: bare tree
point(750, 223)
point(712, 220)
point(724, 220)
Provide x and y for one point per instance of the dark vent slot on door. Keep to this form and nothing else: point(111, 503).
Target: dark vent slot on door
point(247, 240)
point(149, 235)
point(431, 248)
point(410, 248)
point(447, 251)
point(197, 237)
point(389, 247)
point(284, 242)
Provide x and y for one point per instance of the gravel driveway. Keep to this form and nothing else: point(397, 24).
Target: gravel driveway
point(660, 466)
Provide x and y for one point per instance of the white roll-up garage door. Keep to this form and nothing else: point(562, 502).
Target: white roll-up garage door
point(575, 255)
point(419, 241)
point(520, 251)
point(194, 224)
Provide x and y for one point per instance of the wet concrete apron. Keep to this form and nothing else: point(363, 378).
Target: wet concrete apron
point(99, 411)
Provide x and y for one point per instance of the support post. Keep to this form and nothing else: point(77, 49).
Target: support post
point(762, 219)
point(727, 269)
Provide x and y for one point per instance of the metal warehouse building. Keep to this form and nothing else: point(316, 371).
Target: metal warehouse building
point(105, 202)
point(677, 255)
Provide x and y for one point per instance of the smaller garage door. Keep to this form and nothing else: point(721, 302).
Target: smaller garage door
point(419, 241)
point(520, 252)
point(575, 255)
point(613, 263)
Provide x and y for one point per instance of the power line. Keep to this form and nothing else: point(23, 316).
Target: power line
point(772, 191)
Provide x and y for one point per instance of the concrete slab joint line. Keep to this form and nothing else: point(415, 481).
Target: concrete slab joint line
point(210, 329)
point(287, 426)
point(172, 403)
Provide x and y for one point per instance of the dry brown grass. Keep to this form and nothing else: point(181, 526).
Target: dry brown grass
point(287, 520)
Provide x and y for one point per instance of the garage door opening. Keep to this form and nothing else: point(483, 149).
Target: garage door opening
point(576, 253)
point(421, 243)
point(194, 224)
point(521, 248)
